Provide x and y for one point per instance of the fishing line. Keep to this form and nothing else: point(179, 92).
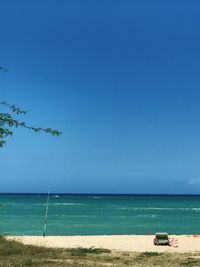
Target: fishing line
point(46, 211)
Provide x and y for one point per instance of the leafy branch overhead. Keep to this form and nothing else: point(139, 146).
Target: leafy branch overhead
point(7, 121)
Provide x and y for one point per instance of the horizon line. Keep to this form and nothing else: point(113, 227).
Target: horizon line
point(125, 194)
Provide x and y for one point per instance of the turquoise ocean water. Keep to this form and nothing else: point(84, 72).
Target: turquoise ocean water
point(23, 214)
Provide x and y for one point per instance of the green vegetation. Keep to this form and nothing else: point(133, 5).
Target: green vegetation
point(84, 251)
point(149, 254)
point(7, 122)
point(15, 254)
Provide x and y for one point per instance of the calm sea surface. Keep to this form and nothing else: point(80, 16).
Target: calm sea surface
point(23, 214)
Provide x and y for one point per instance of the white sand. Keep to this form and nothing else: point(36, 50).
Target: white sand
point(138, 243)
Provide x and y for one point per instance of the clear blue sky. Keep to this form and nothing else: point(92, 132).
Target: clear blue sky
point(119, 78)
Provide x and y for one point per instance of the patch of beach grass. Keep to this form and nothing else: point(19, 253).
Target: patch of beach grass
point(149, 254)
point(190, 262)
point(16, 254)
point(80, 251)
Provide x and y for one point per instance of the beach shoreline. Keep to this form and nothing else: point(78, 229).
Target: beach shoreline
point(132, 243)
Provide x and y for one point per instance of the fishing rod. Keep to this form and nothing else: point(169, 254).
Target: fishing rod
point(46, 211)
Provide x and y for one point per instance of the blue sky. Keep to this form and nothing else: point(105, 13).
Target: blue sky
point(119, 78)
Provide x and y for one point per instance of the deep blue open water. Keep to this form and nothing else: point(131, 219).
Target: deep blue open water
point(23, 214)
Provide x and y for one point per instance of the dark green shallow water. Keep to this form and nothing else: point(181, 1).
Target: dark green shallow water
point(22, 214)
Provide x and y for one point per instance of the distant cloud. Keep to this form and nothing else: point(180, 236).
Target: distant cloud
point(194, 181)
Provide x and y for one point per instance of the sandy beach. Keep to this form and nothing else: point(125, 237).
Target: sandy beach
point(137, 243)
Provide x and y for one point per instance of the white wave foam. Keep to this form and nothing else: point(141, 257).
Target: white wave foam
point(61, 204)
point(156, 208)
point(67, 204)
point(147, 216)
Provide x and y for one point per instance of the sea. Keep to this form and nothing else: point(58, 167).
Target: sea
point(74, 214)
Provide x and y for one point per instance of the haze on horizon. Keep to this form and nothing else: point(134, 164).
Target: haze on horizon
point(121, 81)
